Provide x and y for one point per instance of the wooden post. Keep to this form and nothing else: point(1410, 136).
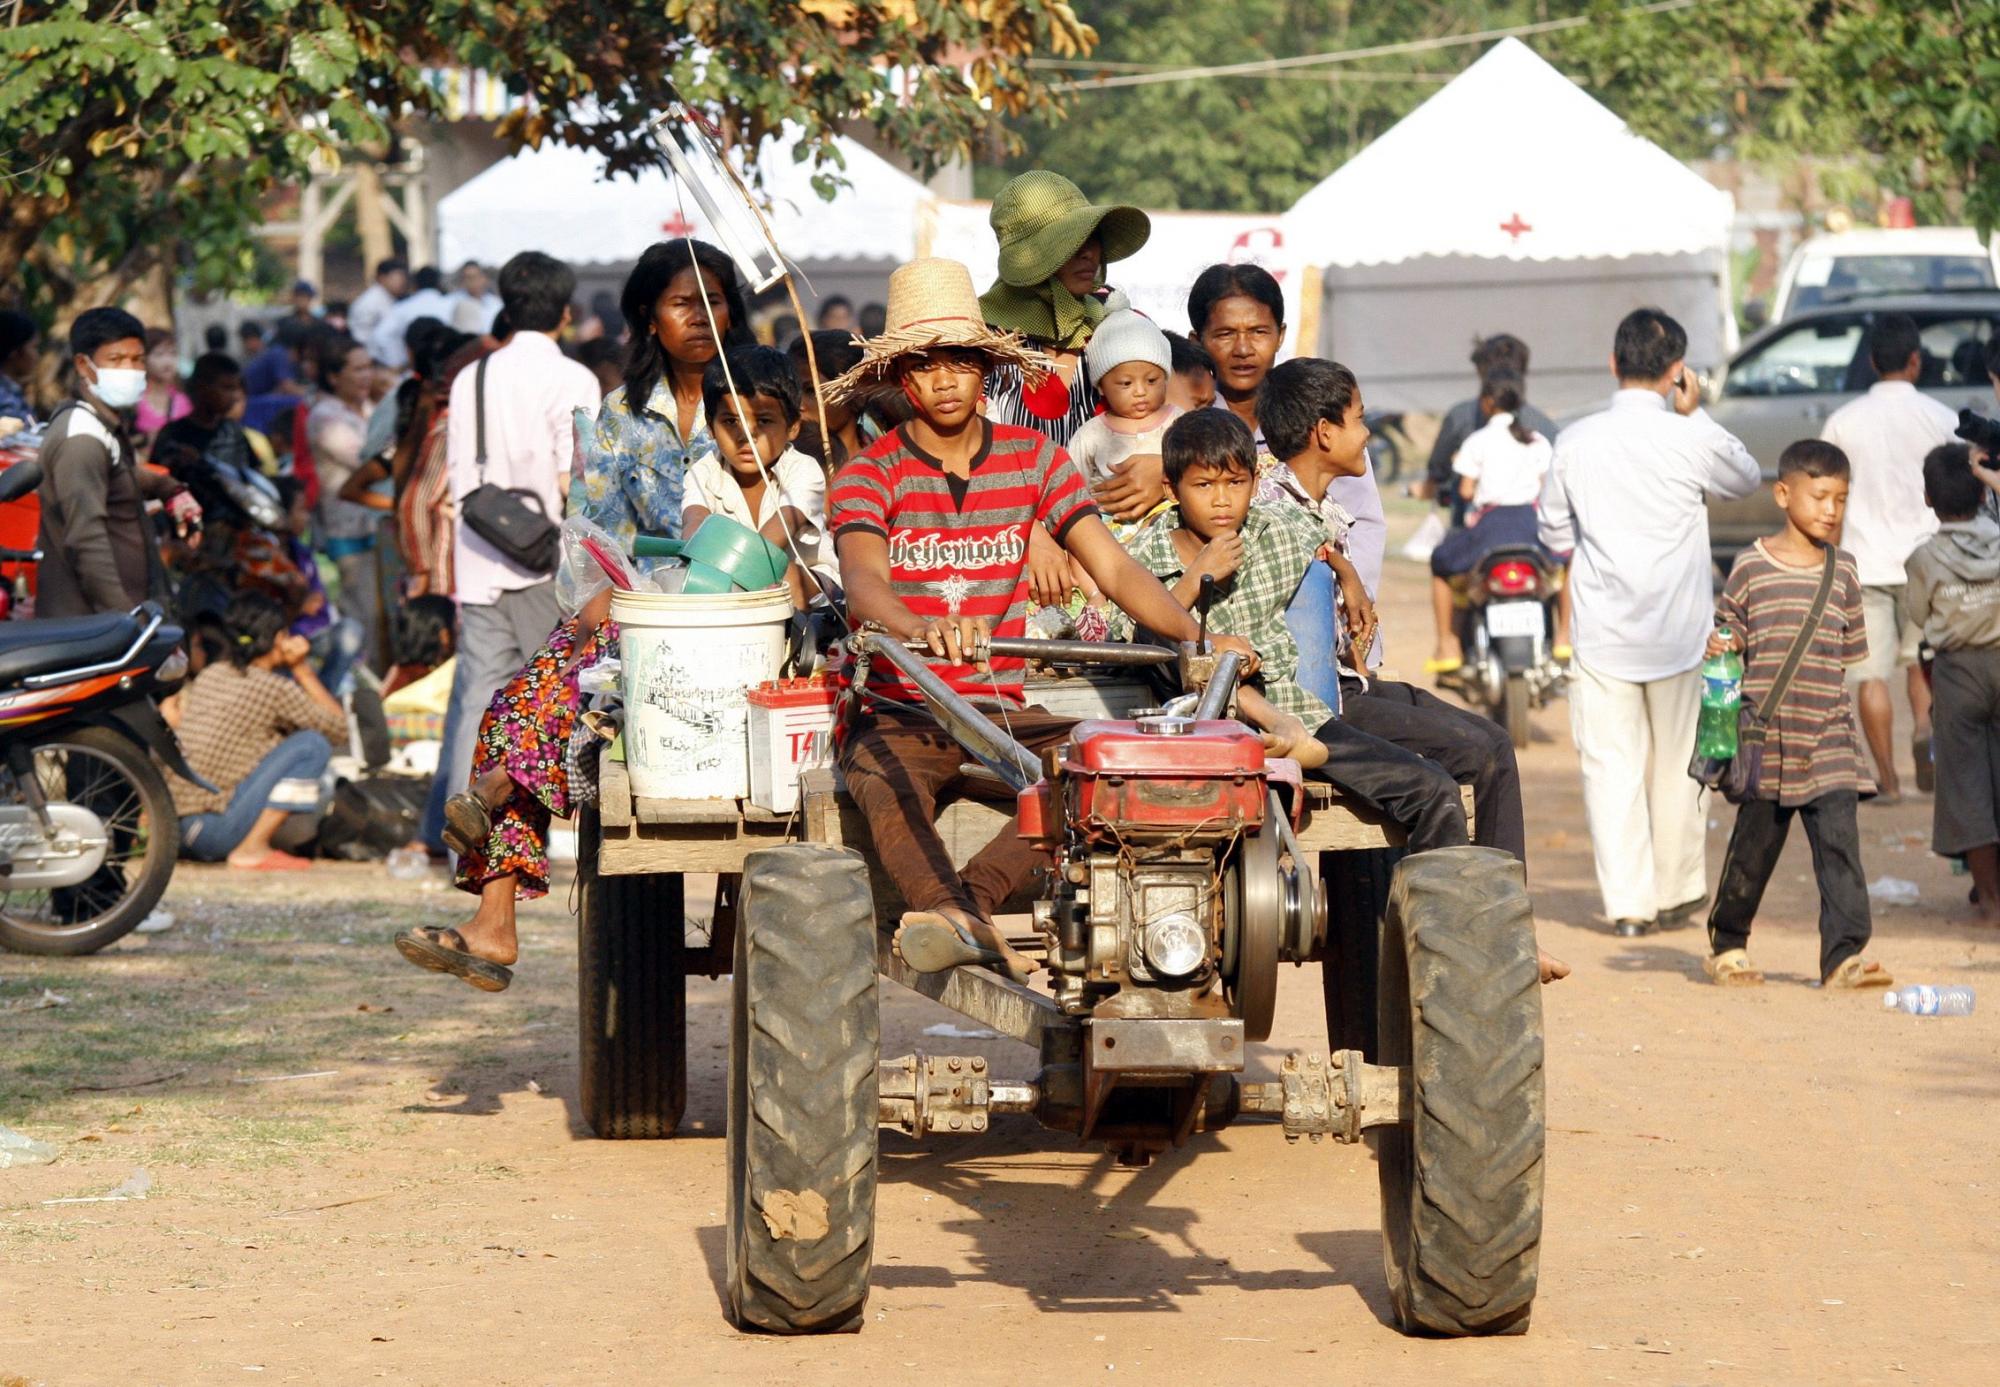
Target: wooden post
point(371, 217)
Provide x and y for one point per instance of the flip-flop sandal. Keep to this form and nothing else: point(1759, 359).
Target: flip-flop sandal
point(1731, 968)
point(274, 861)
point(443, 951)
point(1857, 974)
point(467, 824)
point(930, 943)
point(1435, 666)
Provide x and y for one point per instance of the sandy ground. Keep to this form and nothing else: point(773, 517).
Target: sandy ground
point(360, 1171)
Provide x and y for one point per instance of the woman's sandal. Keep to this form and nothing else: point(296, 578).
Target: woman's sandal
point(1857, 974)
point(1731, 968)
point(1444, 666)
point(443, 951)
point(468, 823)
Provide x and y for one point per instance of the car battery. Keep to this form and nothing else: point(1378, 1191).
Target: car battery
point(791, 731)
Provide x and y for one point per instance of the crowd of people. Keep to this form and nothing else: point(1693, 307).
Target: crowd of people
point(1037, 458)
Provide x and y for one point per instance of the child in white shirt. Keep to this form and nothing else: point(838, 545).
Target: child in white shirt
point(1500, 471)
point(787, 504)
point(1129, 362)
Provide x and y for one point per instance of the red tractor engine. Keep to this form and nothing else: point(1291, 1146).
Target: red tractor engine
point(1157, 828)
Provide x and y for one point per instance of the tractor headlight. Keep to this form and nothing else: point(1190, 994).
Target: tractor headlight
point(1176, 945)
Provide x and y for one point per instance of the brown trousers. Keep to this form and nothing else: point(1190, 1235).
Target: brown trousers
point(898, 761)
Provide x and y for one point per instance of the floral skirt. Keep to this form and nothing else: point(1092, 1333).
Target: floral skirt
point(526, 732)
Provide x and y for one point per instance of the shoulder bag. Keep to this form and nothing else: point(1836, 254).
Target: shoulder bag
point(1741, 778)
point(510, 519)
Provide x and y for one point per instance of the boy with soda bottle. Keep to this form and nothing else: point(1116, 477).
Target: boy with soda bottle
point(1812, 768)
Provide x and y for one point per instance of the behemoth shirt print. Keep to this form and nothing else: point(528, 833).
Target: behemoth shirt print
point(958, 546)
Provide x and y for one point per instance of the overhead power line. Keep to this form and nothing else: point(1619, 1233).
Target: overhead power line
point(1266, 67)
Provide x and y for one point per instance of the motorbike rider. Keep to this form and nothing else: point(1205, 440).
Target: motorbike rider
point(1498, 472)
point(97, 546)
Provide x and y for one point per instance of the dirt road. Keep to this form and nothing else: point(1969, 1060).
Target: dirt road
point(360, 1171)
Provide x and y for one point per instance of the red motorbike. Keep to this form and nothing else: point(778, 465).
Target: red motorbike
point(88, 832)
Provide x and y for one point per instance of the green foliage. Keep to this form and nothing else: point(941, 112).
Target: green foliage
point(1890, 96)
point(130, 136)
point(1241, 143)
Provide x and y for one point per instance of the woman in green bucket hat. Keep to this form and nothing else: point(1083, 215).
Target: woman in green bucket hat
point(1054, 245)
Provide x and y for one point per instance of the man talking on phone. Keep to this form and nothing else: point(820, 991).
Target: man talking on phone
point(1627, 497)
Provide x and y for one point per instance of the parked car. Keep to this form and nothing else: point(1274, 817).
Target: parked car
point(1788, 378)
point(1839, 268)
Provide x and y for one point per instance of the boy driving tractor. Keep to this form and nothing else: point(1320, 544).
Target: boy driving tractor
point(931, 524)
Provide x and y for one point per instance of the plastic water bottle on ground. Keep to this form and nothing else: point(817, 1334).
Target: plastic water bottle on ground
point(1721, 700)
point(18, 1148)
point(1922, 999)
point(409, 864)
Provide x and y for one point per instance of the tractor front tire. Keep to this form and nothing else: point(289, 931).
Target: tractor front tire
point(1461, 1176)
point(631, 1002)
point(804, 1048)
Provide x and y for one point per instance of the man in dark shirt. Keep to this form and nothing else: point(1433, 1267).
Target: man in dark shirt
point(1502, 351)
point(210, 429)
point(97, 546)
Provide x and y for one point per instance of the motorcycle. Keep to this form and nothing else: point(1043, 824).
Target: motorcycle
point(88, 831)
point(1506, 627)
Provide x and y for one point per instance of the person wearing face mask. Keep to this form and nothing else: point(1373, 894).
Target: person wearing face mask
point(98, 550)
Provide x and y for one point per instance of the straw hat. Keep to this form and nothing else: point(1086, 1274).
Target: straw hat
point(1042, 219)
point(932, 304)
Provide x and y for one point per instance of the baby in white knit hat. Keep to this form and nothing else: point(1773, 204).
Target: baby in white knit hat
point(1129, 361)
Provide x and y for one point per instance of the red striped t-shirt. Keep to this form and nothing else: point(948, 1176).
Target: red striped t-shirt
point(959, 546)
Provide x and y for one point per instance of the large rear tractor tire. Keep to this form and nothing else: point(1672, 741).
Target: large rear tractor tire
point(1462, 1176)
point(631, 1002)
point(804, 1047)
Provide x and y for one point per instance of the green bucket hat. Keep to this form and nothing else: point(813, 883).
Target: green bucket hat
point(1042, 219)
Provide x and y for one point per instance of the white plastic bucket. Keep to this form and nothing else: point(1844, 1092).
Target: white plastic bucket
point(687, 663)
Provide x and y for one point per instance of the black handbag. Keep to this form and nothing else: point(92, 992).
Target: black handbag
point(510, 519)
point(1740, 778)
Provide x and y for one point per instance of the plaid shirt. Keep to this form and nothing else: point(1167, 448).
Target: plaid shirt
point(233, 718)
point(1280, 543)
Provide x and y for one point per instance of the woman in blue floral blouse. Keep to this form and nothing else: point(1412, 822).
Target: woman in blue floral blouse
point(631, 478)
point(681, 296)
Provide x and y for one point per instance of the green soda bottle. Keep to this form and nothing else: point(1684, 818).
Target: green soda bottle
point(1721, 698)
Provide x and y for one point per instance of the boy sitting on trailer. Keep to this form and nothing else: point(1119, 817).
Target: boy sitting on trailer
point(931, 525)
point(1258, 554)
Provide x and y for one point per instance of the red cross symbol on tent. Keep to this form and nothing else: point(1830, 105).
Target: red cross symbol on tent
point(677, 225)
point(1515, 227)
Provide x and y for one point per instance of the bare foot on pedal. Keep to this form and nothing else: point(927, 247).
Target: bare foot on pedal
point(934, 941)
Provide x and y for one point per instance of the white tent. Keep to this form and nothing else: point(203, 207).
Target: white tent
point(1510, 201)
point(557, 199)
point(1157, 279)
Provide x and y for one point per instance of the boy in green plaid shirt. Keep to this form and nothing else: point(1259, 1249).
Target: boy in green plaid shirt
point(1258, 555)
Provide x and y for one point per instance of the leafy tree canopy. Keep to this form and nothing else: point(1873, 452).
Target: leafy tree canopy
point(1243, 143)
point(1897, 96)
point(130, 132)
point(1900, 96)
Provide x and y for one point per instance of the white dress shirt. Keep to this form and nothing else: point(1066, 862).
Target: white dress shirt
point(1886, 434)
point(532, 390)
point(473, 315)
point(1627, 495)
point(365, 314)
point(386, 343)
